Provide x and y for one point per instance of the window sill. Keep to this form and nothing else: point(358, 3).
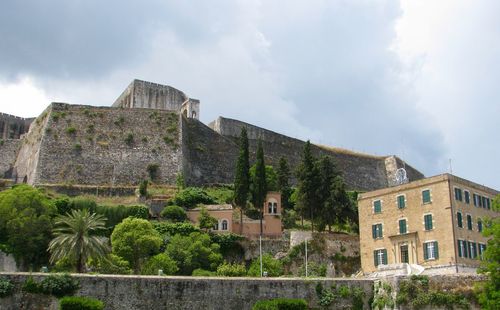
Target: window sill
point(426, 230)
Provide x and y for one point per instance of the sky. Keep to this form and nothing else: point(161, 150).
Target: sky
point(417, 79)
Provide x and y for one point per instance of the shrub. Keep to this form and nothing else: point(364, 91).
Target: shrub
point(58, 285)
point(281, 304)
point(273, 267)
point(153, 170)
point(191, 196)
point(313, 270)
point(231, 270)
point(71, 130)
point(80, 303)
point(202, 273)
point(172, 229)
point(161, 261)
point(6, 287)
point(129, 140)
point(143, 188)
point(112, 264)
point(31, 286)
point(228, 243)
point(174, 213)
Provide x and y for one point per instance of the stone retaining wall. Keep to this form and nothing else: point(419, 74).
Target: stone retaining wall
point(151, 292)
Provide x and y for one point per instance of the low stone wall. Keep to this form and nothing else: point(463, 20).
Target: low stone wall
point(151, 292)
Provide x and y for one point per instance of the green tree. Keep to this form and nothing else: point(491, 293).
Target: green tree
point(308, 183)
point(160, 261)
point(327, 174)
point(135, 240)
point(259, 185)
point(206, 221)
point(273, 267)
point(76, 238)
point(193, 252)
point(242, 176)
point(338, 205)
point(191, 196)
point(283, 183)
point(174, 213)
point(26, 225)
point(489, 291)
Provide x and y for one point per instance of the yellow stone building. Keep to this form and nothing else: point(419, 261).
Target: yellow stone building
point(435, 223)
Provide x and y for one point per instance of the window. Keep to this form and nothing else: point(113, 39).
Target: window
point(377, 206)
point(224, 224)
point(426, 196)
point(458, 194)
point(479, 201)
point(488, 203)
point(484, 202)
point(272, 207)
point(475, 198)
point(377, 231)
point(469, 222)
point(462, 248)
point(402, 227)
point(479, 225)
point(467, 197)
point(428, 221)
point(459, 220)
point(216, 226)
point(431, 250)
point(401, 201)
point(380, 257)
point(482, 248)
point(472, 250)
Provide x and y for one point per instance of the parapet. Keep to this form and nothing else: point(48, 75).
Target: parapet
point(143, 94)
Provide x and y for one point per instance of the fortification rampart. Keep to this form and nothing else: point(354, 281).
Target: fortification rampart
point(360, 171)
point(150, 292)
point(13, 127)
point(104, 146)
point(8, 155)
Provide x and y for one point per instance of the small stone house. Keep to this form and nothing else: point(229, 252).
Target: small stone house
point(228, 219)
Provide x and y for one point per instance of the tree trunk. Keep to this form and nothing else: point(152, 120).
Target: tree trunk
point(241, 221)
point(79, 264)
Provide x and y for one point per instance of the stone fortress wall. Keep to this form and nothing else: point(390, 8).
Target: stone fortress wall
point(101, 146)
point(360, 171)
point(152, 125)
point(13, 127)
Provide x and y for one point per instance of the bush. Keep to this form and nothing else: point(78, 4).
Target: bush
point(313, 270)
point(290, 217)
point(231, 270)
point(172, 229)
point(129, 140)
point(58, 285)
point(202, 273)
point(174, 213)
point(281, 304)
point(6, 287)
point(31, 286)
point(153, 171)
point(273, 267)
point(71, 130)
point(161, 261)
point(111, 264)
point(191, 196)
point(80, 303)
point(143, 188)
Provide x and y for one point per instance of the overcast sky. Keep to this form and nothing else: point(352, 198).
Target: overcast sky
point(419, 79)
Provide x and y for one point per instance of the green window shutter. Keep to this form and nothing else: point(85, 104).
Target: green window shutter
point(474, 249)
point(374, 231)
point(375, 258)
point(401, 202)
point(436, 250)
point(466, 253)
point(426, 196)
point(428, 221)
point(377, 206)
point(384, 256)
point(426, 255)
point(379, 230)
point(459, 219)
point(459, 245)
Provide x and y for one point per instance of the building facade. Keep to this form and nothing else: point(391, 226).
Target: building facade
point(228, 219)
point(436, 223)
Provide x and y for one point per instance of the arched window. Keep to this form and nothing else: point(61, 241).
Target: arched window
point(216, 226)
point(275, 207)
point(193, 114)
point(270, 207)
point(224, 224)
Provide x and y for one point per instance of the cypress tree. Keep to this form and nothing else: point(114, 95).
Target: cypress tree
point(308, 182)
point(259, 183)
point(284, 188)
point(242, 177)
point(327, 174)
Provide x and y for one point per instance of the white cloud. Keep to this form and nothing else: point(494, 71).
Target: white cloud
point(22, 98)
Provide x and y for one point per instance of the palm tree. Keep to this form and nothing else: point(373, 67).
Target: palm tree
point(75, 238)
